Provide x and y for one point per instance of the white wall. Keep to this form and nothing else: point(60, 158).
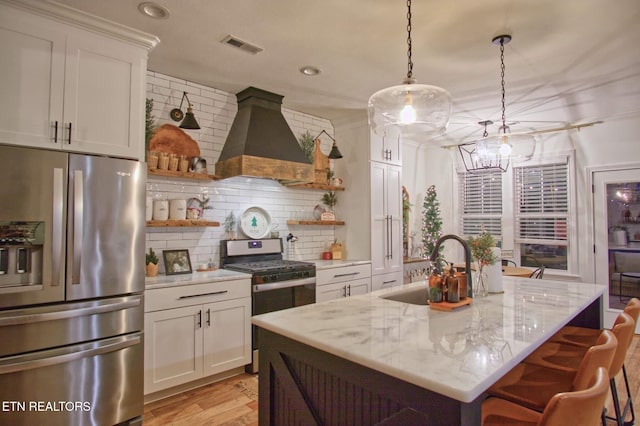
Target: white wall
point(215, 109)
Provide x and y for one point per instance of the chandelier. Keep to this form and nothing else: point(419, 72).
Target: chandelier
point(494, 153)
point(417, 109)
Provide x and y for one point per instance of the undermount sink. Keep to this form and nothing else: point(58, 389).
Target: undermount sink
point(414, 296)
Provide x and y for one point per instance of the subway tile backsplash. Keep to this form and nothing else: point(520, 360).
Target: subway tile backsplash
point(215, 109)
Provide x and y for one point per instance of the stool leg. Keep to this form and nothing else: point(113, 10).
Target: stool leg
point(629, 403)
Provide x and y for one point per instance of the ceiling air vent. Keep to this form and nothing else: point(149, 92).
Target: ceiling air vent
point(234, 41)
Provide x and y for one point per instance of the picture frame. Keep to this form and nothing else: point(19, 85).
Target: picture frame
point(176, 262)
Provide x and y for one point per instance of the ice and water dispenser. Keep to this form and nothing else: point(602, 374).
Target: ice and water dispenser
point(21, 248)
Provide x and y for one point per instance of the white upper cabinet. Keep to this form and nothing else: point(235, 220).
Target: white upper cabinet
point(68, 87)
point(387, 148)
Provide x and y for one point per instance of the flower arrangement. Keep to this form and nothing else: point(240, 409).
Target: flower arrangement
point(481, 248)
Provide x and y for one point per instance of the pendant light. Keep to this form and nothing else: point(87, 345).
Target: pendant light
point(485, 154)
point(418, 109)
point(494, 153)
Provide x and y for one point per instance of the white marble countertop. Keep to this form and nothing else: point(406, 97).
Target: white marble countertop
point(328, 264)
point(458, 354)
point(164, 281)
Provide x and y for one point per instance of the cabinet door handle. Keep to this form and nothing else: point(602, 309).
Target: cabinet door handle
point(208, 317)
point(199, 323)
point(213, 293)
point(391, 237)
point(388, 282)
point(55, 132)
point(69, 133)
point(348, 289)
point(350, 274)
point(344, 291)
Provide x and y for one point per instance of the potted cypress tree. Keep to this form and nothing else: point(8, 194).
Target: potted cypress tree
point(152, 263)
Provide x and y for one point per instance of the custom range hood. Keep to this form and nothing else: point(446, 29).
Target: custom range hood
point(260, 142)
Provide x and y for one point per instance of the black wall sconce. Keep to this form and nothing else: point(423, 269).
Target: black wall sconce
point(188, 119)
point(335, 152)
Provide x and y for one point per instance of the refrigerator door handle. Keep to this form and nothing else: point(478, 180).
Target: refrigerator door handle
point(68, 313)
point(78, 212)
point(101, 348)
point(57, 225)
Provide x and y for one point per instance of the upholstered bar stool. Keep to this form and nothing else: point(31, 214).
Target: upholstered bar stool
point(567, 357)
point(567, 408)
point(586, 337)
point(533, 386)
point(578, 336)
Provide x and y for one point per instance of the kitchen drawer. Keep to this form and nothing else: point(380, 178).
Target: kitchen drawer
point(175, 297)
point(345, 273)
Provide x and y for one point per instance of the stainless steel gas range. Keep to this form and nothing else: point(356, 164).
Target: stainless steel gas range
point(276, 283)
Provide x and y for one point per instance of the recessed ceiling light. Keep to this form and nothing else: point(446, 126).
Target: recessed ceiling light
point(153, 10)
point(310, 70)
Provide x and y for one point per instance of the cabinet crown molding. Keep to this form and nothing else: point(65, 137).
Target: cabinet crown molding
point(86, 21)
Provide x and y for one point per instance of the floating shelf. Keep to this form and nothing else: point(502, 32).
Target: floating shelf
point(321, 186)
point(315, 222)
point(180, 223)
point(186, 175)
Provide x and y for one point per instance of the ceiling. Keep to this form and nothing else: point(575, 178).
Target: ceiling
point(570, 61)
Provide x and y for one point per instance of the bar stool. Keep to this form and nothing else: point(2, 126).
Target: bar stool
point(567, 357)
point(578, 407)
point(533, 386)
point(579, 336)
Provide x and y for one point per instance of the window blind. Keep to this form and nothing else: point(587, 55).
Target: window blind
point(542, 206)
point(480, 199)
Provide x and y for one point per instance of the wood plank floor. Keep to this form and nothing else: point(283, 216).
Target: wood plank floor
point(234, 401)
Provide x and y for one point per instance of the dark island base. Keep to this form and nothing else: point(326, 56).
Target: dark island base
point(301, 385)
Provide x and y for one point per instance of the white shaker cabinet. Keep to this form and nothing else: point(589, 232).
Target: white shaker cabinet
point(344, 281)
point(71, 81)
point(387, 147)
point(195, 331)
point(386, 218)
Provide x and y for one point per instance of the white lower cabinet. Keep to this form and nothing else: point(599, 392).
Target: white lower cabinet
point(345, 281)
point(192, 339)
point(378, 282)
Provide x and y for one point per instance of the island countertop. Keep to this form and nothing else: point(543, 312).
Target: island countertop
point(458, 354)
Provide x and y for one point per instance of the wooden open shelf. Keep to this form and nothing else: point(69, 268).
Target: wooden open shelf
point(180, 223)
point(321, 186)
point(315, 222)
point(186, 175)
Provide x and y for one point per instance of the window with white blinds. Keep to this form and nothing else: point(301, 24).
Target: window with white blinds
point(480, 200)
point(542, 204)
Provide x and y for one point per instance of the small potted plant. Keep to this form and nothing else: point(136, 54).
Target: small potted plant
point(152, 263)
point(330, 200)
point(482, 252)
point(230, 226)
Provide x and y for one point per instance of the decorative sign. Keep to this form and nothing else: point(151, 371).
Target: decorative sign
point(328, 216)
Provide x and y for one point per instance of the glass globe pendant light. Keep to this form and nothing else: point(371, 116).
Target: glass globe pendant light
point(418, 109)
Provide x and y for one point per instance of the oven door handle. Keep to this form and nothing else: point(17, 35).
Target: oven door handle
point(257, 288)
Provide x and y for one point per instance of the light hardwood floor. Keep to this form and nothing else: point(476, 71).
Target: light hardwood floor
point(234, 401)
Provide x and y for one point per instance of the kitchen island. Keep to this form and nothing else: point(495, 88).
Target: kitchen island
point(367, 359)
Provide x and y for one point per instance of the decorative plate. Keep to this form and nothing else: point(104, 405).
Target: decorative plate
point(255, 223)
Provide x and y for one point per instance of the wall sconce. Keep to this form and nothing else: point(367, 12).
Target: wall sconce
point(189, 121)
point(335, 152)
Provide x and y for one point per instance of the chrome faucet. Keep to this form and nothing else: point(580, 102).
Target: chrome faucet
point(467, 257)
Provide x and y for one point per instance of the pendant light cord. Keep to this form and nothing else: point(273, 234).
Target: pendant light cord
point(410, 63)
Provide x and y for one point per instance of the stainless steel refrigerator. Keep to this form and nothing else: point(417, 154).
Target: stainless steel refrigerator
point(71, 288)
